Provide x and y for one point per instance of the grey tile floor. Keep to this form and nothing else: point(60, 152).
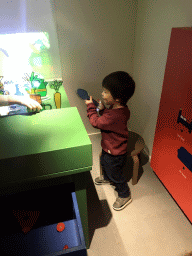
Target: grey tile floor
point(152, 224)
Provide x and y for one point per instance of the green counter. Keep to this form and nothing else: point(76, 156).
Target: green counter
point(44, 149)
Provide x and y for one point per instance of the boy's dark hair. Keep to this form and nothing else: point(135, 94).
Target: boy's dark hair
point(121, 86)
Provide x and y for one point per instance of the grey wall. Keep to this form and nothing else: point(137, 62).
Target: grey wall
point(155, 19)
point(95, 39)
point(99, 37)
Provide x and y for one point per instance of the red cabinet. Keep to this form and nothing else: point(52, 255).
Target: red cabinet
point(171, 156)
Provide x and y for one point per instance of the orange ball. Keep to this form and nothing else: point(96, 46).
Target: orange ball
point(60, 226)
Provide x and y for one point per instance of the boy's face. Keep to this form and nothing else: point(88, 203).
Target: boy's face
point(107, 97)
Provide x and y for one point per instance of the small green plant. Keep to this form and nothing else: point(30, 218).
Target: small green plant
point(56, 85)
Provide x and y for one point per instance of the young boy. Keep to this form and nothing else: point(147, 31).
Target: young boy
point(118, 88)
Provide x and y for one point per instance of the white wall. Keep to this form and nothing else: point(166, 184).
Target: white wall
point(155, 19)
point(96, 37)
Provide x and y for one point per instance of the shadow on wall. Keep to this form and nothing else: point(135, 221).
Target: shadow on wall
point(140, 114)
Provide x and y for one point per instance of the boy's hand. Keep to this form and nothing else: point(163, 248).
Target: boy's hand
point(89, 101)
point(101, 106)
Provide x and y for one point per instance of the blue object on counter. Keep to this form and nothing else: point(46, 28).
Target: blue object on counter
point(19, 110)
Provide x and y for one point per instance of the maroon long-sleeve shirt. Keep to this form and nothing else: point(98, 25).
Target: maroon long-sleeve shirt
point(113, 126)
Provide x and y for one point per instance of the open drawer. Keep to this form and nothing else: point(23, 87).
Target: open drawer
point(30, 219)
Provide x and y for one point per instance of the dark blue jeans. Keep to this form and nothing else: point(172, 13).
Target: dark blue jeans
point(113, 171)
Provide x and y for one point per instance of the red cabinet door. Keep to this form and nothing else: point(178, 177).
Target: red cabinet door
point(171, 156)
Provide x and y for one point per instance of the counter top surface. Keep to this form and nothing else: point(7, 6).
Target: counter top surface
point(46, 131)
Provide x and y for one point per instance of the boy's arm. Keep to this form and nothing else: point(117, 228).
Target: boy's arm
point(104, 122)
